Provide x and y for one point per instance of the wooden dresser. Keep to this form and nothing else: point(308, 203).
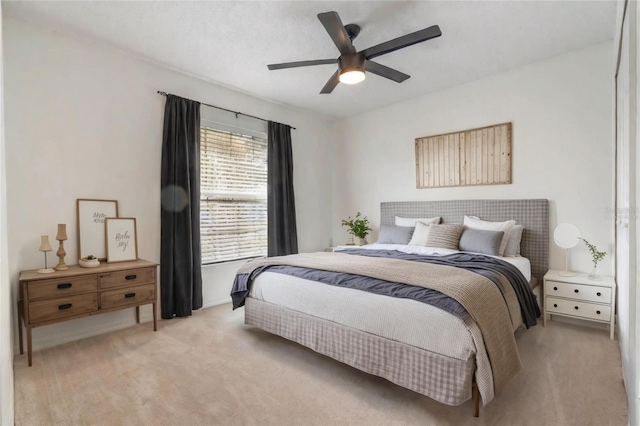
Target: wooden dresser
point(80, 292)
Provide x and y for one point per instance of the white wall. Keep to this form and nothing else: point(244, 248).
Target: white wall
point(562, 146)
point(6, 306)
point(85, 121)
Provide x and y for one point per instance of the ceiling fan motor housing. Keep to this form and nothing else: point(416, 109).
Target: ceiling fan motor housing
point(351, 62)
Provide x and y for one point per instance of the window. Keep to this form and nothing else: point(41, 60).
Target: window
point(233, 195)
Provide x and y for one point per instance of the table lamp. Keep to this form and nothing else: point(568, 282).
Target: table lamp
point(45, 247)
point(566, 236)
point(62, 236)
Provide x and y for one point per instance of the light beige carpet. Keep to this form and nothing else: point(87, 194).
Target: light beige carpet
point(212, 369)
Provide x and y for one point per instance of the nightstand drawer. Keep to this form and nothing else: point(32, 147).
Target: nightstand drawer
point(46, 310)
point(578, 309)
point(61, 287)
point(127, 296)
point(128, 278)
point(591, 293)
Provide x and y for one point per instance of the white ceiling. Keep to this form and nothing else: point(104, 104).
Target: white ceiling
point(231, 43)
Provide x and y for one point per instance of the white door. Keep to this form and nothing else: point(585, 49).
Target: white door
point(627, 164)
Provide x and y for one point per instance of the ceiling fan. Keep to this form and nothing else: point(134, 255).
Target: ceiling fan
point(352, 64)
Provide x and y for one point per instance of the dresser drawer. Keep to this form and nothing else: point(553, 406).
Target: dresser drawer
point(591, 293)
point(129, 278)
point(46, 310)
point(61, 287)
point(127, 296)
point(578, 309)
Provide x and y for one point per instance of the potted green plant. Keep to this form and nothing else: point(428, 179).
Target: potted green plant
point(596, 256)
point(358, 227)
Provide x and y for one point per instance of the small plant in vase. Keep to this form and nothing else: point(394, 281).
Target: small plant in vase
point(358, 227)
point(596, 256)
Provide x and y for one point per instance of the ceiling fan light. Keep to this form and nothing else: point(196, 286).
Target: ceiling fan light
point(351, 76)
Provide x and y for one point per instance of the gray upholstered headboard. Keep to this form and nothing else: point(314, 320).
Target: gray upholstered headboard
point(532, 214)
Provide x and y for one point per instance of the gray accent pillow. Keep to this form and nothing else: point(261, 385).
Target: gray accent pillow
point(513, 244)
point(445, 236)
point(392, 234)
point(481, 241)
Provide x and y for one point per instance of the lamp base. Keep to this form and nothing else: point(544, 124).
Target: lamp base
point(567, 274)
point(46, 271)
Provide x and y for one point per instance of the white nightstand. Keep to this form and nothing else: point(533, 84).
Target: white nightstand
point(579, 297)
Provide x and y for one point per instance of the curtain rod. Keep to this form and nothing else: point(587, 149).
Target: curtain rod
point(160, 92)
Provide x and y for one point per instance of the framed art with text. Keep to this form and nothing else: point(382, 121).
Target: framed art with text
point(91, 221)
point(122, 239)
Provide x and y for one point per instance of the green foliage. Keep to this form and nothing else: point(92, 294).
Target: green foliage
point(357, 227)
point(596, 255)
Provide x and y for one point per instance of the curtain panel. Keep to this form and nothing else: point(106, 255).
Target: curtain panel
point(282, 231)
point(180, 252)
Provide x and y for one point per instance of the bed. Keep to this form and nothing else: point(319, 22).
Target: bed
point(433, 349)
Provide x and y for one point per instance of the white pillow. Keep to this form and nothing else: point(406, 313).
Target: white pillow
point(420, 235)
point(475, 223)
point(411, 221)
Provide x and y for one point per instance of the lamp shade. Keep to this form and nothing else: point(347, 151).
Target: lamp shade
point(62, 232)
point(566, 235)
point(44, 243)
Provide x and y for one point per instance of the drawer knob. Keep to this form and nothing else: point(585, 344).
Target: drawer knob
point(65, 306)
point(555, 288)
point(555, 305)
point(131, 277)
point(598, 294)
point(64, 285)
point(576, 291)
point(129, 295)
point(576, 308)
point(598, 312)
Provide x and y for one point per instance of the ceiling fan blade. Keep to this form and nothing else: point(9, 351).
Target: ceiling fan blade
point(401, 42)
point(301, 64)
point(384, 71)
point(338, 34)
point(331, 84)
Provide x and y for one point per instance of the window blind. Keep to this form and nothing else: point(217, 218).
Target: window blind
point(233, 188)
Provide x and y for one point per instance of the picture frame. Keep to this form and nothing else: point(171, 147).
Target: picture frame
point(121, 235)
point(91, 227)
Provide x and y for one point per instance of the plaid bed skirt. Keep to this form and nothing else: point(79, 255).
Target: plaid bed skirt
point(441, 378)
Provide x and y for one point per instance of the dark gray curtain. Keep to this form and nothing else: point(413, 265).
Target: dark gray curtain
point(282, 231)
point(180, 255)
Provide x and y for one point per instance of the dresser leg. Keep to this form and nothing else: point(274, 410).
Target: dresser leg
point(29, 345)
point(138, 314)
point(611, 331)
point(20, 325)
point(155, 325)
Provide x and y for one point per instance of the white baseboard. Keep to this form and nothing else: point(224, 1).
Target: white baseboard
point(591, 324)
point(72, 333)
point(49, 341)
point(216, 303)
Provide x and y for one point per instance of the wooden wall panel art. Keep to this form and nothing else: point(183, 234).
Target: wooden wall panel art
point(473, 157)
